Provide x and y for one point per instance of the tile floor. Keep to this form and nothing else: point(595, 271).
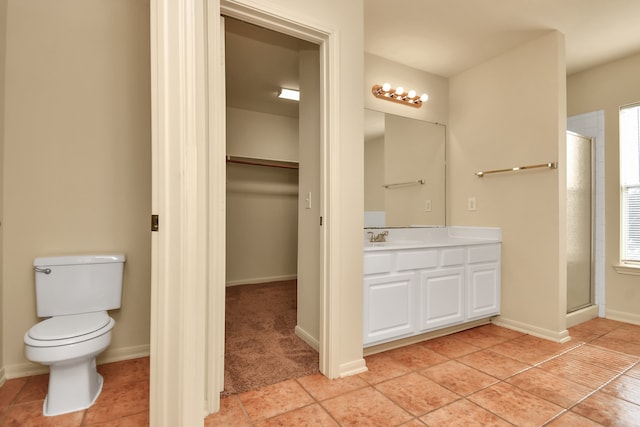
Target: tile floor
point(486, 376)
point(124, 401)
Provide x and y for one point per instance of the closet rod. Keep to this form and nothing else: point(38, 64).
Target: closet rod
point(256, 162)
point(550, 165)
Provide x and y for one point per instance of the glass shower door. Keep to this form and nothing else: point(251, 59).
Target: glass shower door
point(579, 222)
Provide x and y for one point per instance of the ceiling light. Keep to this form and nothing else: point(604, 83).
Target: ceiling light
point(291, 94)
point(398, 95)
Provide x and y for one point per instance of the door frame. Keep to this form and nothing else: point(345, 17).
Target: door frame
point(179, 249)
point(188, 194)
point(326, 39)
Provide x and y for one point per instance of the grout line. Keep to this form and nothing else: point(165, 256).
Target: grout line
point(599, 388)
point(535, 365)
point(367, 384)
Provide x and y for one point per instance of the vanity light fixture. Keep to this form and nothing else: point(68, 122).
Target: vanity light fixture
point(399, 95)
point(291, 94)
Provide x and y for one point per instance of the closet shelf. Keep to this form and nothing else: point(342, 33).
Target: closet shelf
point(262, 162)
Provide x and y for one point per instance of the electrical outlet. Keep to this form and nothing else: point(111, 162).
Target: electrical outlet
point(427, 205)
point(471, 204)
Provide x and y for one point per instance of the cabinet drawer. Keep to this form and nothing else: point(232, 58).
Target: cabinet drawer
point(377, 263)
point(478, 254)
point(413, 260)
point(451, 257)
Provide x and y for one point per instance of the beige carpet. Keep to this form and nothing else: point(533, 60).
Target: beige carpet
point(261, 347)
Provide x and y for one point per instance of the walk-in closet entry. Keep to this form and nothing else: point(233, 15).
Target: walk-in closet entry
point(272, 207)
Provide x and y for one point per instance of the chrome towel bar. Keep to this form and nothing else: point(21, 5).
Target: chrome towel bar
point(550, 165)
point(398, 184)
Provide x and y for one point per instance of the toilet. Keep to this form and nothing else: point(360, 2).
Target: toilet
point(74, 293)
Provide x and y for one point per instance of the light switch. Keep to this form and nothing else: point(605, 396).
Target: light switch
point(471, 204)
point(427, 205)
point(307, 201)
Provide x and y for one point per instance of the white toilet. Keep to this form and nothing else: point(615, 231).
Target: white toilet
point(75, 292)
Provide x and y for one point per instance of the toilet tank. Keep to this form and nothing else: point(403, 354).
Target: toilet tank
point(78, 284)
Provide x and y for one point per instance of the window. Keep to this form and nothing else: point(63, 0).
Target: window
point(630, 183)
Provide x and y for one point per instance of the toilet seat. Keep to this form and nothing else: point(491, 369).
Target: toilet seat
point(70, 329)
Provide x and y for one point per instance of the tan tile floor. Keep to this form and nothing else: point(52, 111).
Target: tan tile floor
point(486, 376)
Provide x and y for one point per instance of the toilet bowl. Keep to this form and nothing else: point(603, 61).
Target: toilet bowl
point(69, 345)
point(74, 294)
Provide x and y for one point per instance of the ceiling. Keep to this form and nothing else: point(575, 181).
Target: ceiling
point(258, 63)
point(446, 37)
point(442, 37)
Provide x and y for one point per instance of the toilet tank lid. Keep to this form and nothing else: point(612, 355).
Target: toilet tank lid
point(79, 259)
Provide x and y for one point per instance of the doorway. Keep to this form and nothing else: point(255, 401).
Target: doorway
point(580, 222)
point(273, 179)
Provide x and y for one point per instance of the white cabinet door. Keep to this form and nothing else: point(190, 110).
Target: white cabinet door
point(483, 291)
point(441, 298)
point(388, 307)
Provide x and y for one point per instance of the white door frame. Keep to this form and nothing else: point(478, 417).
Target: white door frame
point(179, 196)
point(279, 21)
point(188, 274)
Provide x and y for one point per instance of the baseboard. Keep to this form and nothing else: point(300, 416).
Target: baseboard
point(306, 337)
point(623, 316)
point(559, 337)
point(116, 355)
point(125, 353)
point(582, 315)
point(24, 370)
point(256, 280)
point(3, 378)
point(352, 368)
point(403, 342)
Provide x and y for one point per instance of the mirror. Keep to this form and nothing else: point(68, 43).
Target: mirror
point(404, 171)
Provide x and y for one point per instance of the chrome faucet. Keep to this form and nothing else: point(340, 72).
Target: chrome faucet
point(380, 237)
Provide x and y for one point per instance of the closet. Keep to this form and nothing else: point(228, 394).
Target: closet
point(272, 249)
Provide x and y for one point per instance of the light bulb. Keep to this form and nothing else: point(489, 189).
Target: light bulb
point(386, 87)
point(424, 97)
point(399, 90)
point(412, 94)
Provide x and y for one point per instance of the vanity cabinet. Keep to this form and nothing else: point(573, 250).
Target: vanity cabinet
point(409, 291)
point(441, 298)
point(390, 301)
point(483, 281)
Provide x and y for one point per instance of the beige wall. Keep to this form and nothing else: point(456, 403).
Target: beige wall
point(506, 112)
point(261, 224)
point(608, 87)
point(308, 316)
point(77, 154)
point(261, 135)
point(374, 175)
point(262, 204)
point(3, 34)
